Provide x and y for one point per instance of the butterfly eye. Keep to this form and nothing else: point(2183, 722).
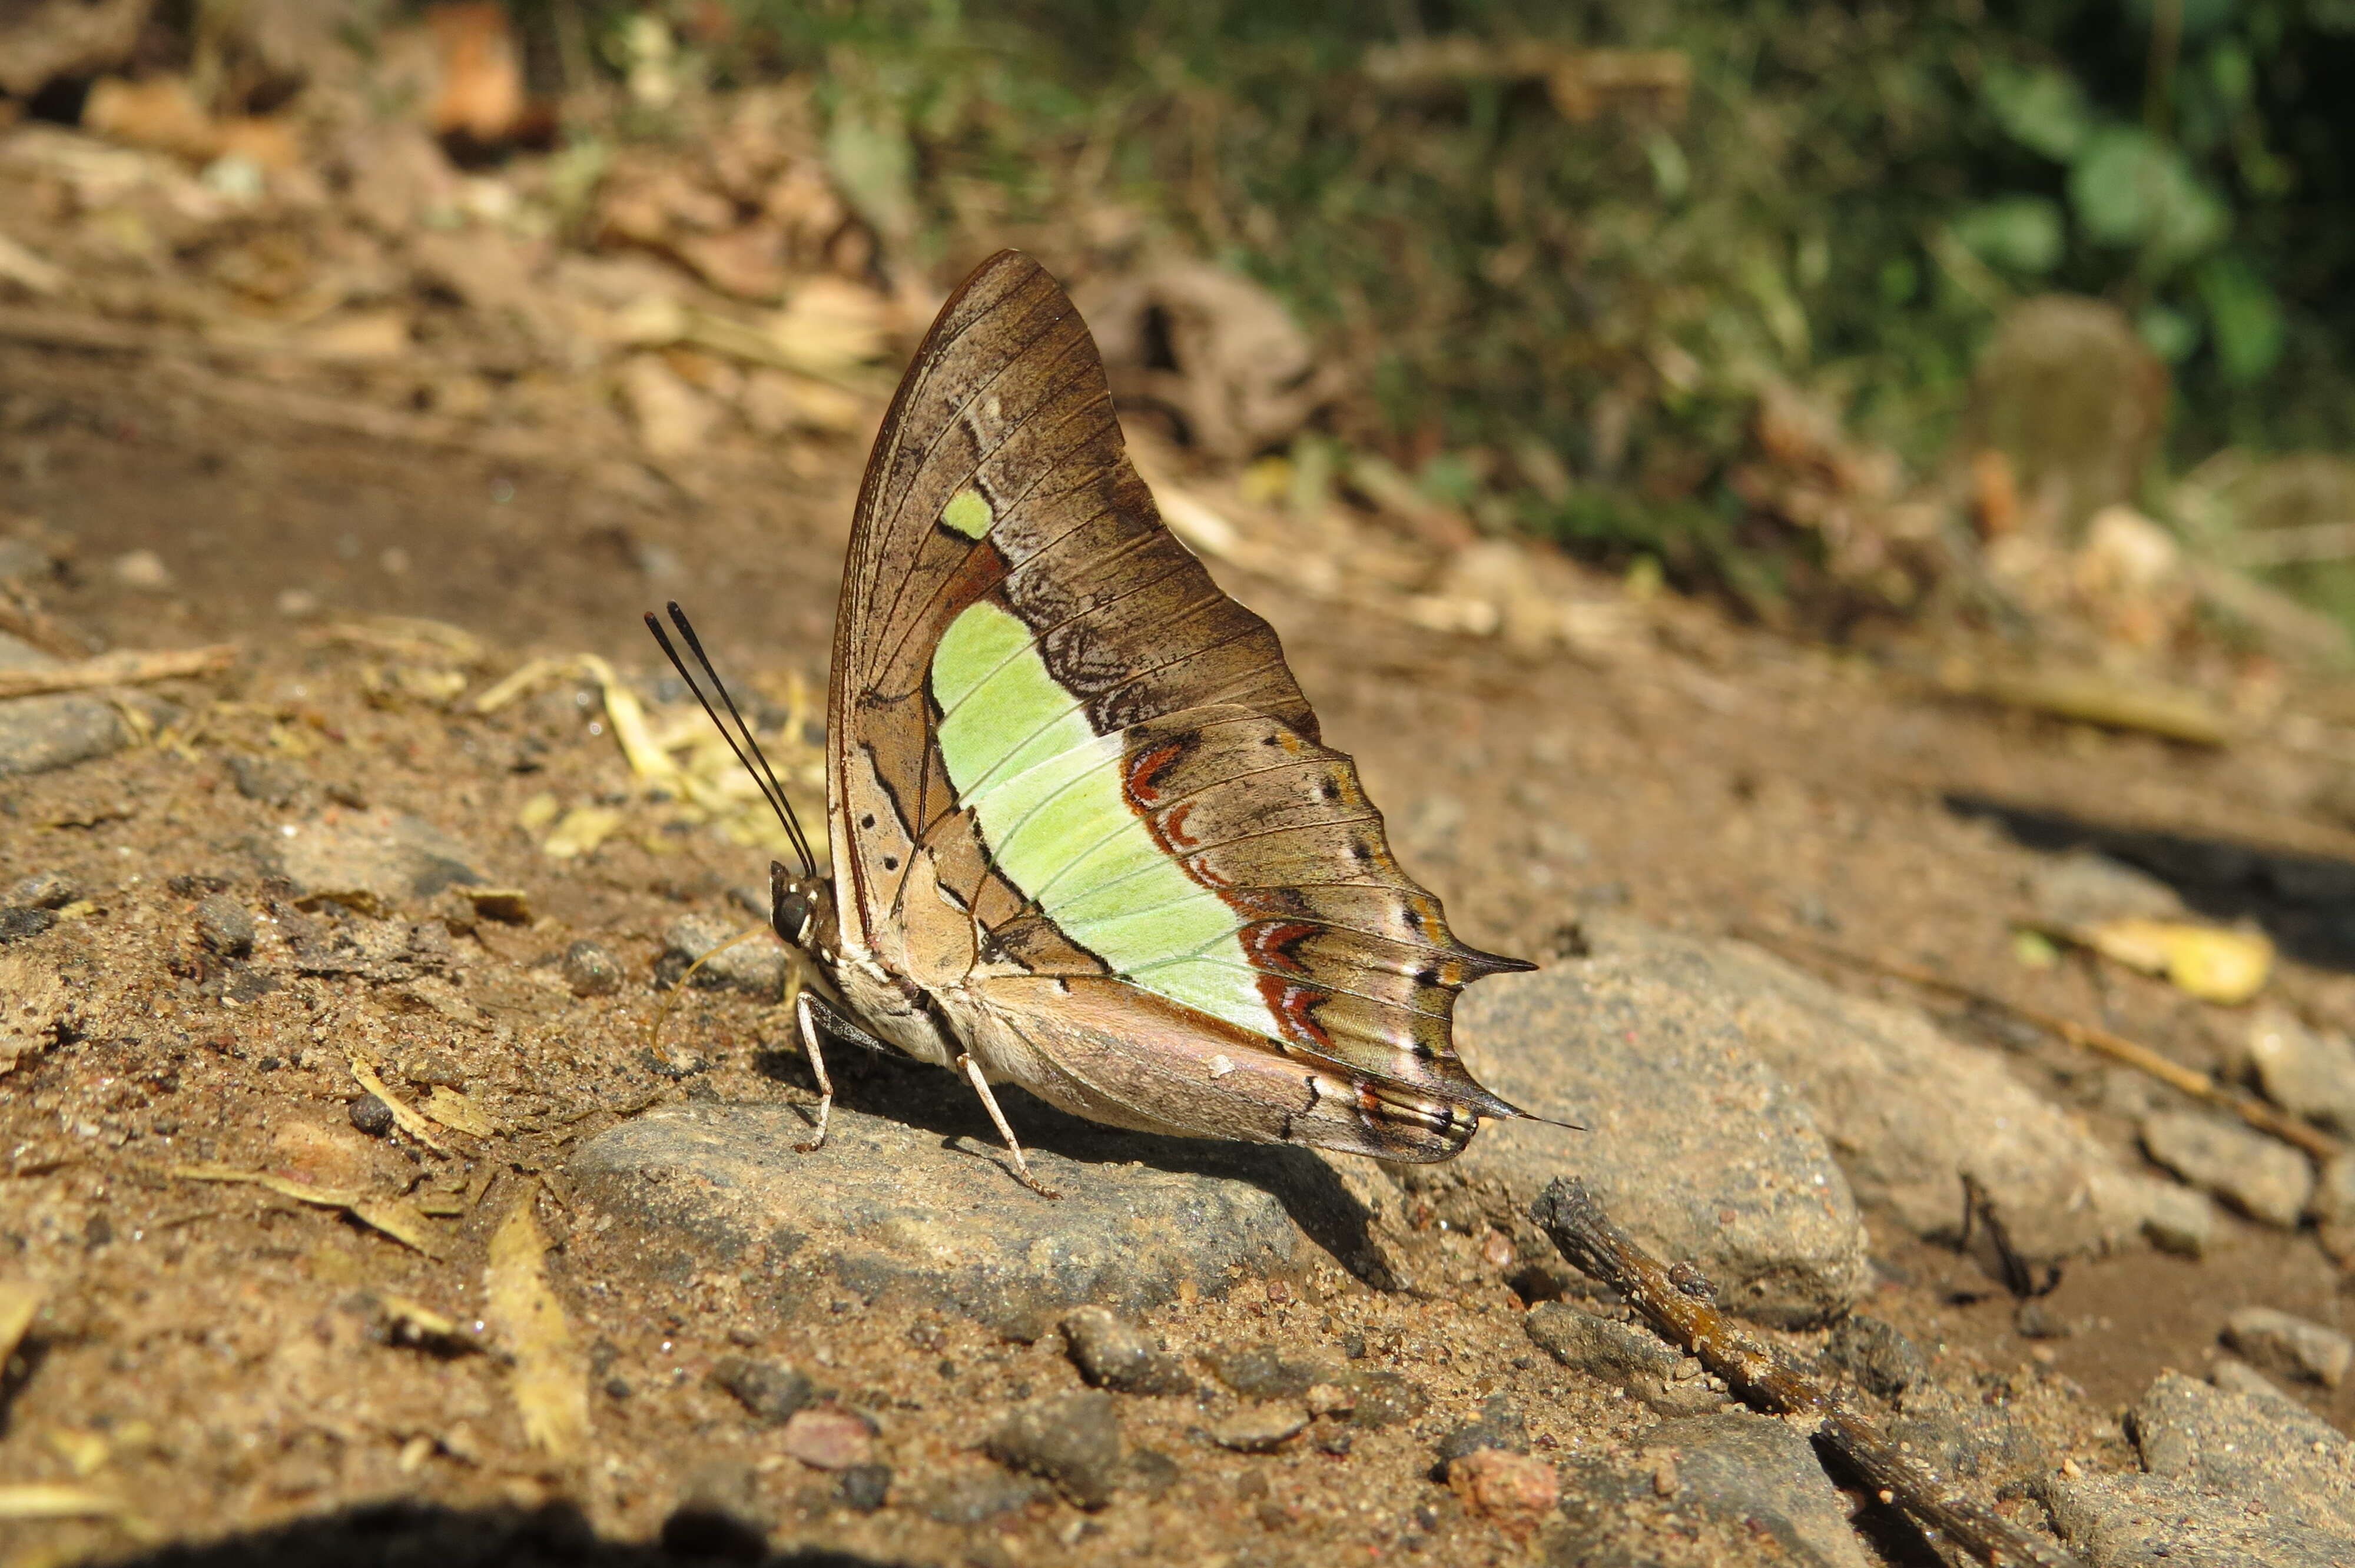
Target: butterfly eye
point(792, 916)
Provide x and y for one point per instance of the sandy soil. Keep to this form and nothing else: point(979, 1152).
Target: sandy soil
point(219, 1354)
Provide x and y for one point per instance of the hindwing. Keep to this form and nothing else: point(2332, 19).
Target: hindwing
point(1047, 716)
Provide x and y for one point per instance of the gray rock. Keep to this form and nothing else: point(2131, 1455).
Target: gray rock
point(1912, 1111)
point(224, 926)
point(373, 861)
point(1384, 1399)
point(43, 890)
point(590, 970)
point(37, 734)
point(864, 1488)
point(17, 923)
point(1072, 1440)
point(2180, 1221)
point(1498, 1426)
point(756, 968)
point(1625, 1355)
point(2290, 1345)
point(2304, 1072)
point(2152, 1521)
point(977, 1495)
point(259, 778)
point(2333, 1202)
point(1264, 1372)
point(1880, 1357)
point(1639, 1046)
point(2262, 1447)
point(769, 1389)
point(2266, 1180)
point(1260, 1428)
point(893, 1208)
point(1756, 1471)
point(2234, 1375)
point(1112, 1352)
point(2085, 888)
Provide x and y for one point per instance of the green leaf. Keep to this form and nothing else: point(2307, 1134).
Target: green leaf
point(2171, 334)
point(2021, 234)
point(2130, 189)
point(2042, 109)
point(2244, 316)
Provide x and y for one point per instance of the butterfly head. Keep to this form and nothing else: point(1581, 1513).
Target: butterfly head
point(802, 909)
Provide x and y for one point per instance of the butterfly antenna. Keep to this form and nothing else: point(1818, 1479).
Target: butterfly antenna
point(747, 751)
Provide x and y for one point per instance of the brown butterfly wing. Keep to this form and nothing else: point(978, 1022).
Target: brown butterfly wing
point(999, 495)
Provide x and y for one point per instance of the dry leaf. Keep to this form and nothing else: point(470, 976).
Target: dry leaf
point(19, 1299)
point(40, 1501)
point(582, 829)
point(453, 1109)
point(404, 1115)
point(550, 1382)
point(2205, 961)
point(395, 1217)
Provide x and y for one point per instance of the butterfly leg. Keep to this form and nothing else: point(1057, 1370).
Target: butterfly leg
point(972, 1070)
point(817, 1065)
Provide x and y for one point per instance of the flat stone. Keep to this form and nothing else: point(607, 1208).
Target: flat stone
point(2290, 1345)
point(827, 1438)
point(1512, 1491)
point(1639, 1046)
point(43, 890)
point(2264, 1447)
point(1112, 1352)
point(2085, 887)
point(1072, 1440)
point(1760, 1473)
point(1264, 1372)
point(1260, 1428)
point(756, 968)
point(2154, 1522)
point(921, 1205)
point(373, 861)
point(2306, 1072)
point(38, 734)
point(2266, 1180)
point(1912, 1111)
point(1625, 1355)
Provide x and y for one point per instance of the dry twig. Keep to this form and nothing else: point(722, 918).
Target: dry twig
point(126, 668)
point(1677, 1301)
point(2199, 1085)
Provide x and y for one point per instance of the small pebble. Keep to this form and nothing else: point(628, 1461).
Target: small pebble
point(1385, 1399)
point(1261, 1371)
point(863, 1488)
point(590, 970)
point(17, 923)
point(1260, 1428)
point(1073, 1441)
point(1149, 1473)
point(372, 1116)
point(769, 1389)
point(433, 1069)
point(2290, 1345)
point(829, 1439)
point(142, 571)
point(1113, 1353)
point(1499, 1426)
point(1512, 1491)
point(44, 890)
point(225, 926)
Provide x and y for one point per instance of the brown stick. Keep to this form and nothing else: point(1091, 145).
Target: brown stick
point(1677, 1304)
point(2199, 1085)
point(120, 669)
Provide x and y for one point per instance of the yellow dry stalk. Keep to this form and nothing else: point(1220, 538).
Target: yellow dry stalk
point(550, 1384)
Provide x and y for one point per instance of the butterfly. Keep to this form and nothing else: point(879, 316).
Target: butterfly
point(1085, 837)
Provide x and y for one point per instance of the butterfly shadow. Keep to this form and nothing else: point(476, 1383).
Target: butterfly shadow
point(1314, 1194)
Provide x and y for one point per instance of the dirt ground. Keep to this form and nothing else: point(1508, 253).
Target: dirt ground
point(217, 1354)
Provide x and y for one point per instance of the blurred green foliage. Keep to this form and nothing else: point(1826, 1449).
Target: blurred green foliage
point(1852, 194)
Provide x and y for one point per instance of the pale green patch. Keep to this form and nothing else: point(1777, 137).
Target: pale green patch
point(968, 514)
point(1047, 790)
